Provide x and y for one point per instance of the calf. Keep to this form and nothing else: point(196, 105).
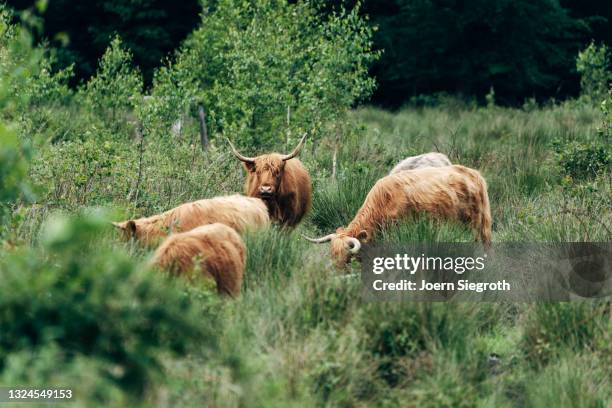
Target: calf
point(218, 249)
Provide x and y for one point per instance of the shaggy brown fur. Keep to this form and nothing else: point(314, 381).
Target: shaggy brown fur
point(290, 199)
point(453, 192)
point(283, 184)
point(218, 249)
point(236, 211)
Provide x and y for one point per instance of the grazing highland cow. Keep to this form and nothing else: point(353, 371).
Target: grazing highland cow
point(281, 181)
point(218, 249)
point(452, 192)
point(236, 211)
point(423, 160)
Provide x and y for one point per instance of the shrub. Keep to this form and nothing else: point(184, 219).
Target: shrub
point(252, 61)
point(583, 160)
point(116, 88)
point(397, 330)
point(92, 301)
point(552, 328)
point(578, 381)
point(14, 162)
point(593, 65)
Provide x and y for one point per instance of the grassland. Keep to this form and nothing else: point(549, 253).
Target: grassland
point(300, 335)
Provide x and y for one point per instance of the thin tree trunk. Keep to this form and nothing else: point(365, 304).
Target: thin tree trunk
point(335, 161)
point(136, 190)
point(203, 130)
point(288, 134)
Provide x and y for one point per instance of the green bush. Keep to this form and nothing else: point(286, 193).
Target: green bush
point(251, 62)
point(551, 329)
point(593, 65)
point(117, 87)
point(398, 330)
point(92, 301)
point(583, 160)
point(577, 381)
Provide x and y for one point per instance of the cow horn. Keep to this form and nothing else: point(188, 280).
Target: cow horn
point(356, 245)
point(319, 240)
point(296, 151)
point(238, 155)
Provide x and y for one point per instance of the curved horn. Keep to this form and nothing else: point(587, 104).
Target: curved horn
point(319, 240)
point(296, 151)
point(238, 155)
point(356, 245)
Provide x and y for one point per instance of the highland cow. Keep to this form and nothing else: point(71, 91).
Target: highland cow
point(281, 181)
point(431, 159)
point(449, 193)
point(236, 211)
point(218, 249)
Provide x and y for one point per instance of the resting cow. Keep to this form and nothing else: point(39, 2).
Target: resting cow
point(281, 181)
point(431, 159)
point(450, 193)
point(236, 211)
point(218, 249)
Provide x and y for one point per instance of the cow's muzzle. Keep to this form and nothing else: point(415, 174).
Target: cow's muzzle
point(266, 192)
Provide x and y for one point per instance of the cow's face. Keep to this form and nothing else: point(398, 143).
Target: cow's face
point(265, 172)
point(343, 246)
point(264, 176)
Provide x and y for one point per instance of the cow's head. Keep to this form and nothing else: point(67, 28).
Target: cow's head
point(265, 172)
point(128, 229)
point(343, 246)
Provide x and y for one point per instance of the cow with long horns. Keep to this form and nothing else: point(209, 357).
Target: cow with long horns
point(450, 193)
point(281, 181)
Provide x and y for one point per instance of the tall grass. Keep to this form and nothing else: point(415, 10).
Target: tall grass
point(300, 334)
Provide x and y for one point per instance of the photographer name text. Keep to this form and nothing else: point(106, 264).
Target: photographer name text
point(425, 286)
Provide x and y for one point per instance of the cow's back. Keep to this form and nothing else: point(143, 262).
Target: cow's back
point(432, 159)
point(220, 251)
point(236, 211)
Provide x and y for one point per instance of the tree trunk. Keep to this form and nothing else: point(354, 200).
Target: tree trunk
point(203, 130)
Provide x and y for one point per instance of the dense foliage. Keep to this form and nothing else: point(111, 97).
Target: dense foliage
point(265, 68)
point(520, 48)
point(79, 307)
point(82, 30)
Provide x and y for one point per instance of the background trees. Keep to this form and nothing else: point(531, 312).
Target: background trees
point(520, 48)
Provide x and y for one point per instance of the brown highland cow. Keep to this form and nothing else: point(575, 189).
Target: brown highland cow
point(218, 249)
point(236, 211)
point(281, 181)
point(452, 192)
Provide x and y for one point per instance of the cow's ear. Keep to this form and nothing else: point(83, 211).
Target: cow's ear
point(249, 166)
point(130, 227)
point(363, 236)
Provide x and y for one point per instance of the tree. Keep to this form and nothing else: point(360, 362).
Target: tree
point(151, 29)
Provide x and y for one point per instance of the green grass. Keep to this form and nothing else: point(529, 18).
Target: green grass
point(300, 335)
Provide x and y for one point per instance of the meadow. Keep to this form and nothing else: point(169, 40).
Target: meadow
point(80, 308)
point(299, 334)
